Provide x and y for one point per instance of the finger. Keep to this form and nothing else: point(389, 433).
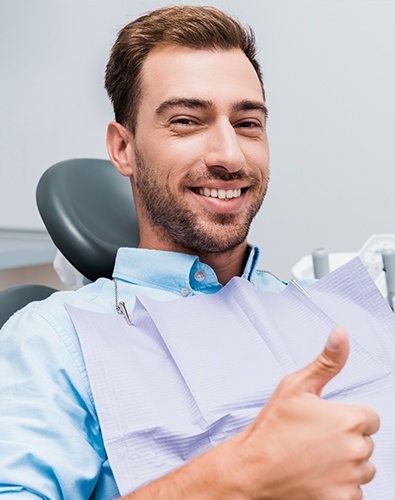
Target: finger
point(367, 473)
point(369, 420)
point(314, 377)
point(369, 446)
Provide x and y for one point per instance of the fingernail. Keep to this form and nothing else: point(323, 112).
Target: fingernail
point(333, 342)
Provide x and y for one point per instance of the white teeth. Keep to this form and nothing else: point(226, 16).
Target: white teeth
point(222, 194)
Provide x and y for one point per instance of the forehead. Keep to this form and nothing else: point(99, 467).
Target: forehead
point(221, 76)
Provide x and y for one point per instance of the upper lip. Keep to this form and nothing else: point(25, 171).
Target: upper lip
point(221, 185)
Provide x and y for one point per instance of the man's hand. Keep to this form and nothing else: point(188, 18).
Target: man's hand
point(303, 447)
point(299, 447)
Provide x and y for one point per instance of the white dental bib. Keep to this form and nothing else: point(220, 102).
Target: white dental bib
point(189, 373)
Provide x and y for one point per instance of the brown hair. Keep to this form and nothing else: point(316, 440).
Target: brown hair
point(189, 26)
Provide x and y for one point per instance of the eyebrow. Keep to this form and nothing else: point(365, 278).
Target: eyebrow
point(244, 105)
point(185, 103)
point(247, 105)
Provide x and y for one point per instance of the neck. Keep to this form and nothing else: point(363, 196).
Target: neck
point(227, 265)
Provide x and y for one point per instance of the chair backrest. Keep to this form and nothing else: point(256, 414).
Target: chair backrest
point(14, 298)
point(88, 210)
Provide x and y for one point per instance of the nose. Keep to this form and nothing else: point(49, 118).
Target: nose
point(223, 149)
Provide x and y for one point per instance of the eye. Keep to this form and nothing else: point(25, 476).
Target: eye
point(248, 127)
point(248, 124)
point(183, 121)
point(184, 125)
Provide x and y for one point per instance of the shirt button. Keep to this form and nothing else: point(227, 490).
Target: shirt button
point(199, 276)
point(184, 292)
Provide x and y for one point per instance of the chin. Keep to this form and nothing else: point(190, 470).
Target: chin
point(218, 240)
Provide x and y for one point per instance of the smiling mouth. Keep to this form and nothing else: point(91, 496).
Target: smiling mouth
point(222, 194)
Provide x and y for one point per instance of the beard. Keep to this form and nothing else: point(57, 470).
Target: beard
point(178, 224)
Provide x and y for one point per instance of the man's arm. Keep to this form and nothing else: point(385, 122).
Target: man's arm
point(50, 440)
point(300, 447)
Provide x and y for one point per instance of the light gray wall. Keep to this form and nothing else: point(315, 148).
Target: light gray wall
point(329, 68)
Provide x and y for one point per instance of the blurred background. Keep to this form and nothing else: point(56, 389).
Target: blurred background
point(329, 71)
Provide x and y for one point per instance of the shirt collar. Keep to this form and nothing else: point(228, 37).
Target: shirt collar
point(172, 271)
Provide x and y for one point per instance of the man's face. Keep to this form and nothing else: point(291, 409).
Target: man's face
point(200, 150)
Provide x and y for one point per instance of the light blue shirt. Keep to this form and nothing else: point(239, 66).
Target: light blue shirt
point(50, 441)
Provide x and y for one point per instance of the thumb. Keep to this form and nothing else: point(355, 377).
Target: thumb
point(328, 364)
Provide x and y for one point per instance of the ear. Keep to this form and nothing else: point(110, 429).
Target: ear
point(120, 146)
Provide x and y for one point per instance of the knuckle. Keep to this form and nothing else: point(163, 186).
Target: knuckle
point(353, 419)
point(370, 445)
point(359, 419)
point(357, 494)
point(369, 473)
point(325, 363)
point(367, 414)
point(352, 493)
point(361, 450)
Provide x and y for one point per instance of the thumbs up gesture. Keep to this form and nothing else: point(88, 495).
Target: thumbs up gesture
point(303, 447)
point(299, 447)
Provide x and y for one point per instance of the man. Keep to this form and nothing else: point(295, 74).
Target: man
point(190, 132)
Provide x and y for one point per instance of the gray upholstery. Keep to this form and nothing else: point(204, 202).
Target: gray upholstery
point(88, 210)
point(14, 298)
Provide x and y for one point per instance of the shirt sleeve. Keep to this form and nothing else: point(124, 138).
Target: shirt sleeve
point(50, 441)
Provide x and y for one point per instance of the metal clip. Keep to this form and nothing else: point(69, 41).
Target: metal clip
point(121, 309)
point(300, 288)
point(120, 306)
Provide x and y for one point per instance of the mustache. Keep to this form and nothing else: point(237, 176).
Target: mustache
point(222, 175)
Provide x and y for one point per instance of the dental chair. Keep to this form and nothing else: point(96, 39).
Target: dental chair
point(14, 298)
point(88, 210)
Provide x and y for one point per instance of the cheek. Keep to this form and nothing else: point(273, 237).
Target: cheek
point(256, 150)
point(170, 145)
point(182, 156)
point(257, 159)
point(186, 149)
